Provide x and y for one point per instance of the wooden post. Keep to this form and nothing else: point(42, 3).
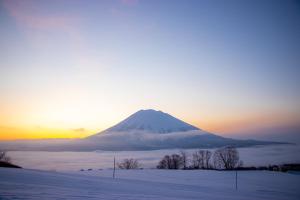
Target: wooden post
point(114, 167)
point(236, 183)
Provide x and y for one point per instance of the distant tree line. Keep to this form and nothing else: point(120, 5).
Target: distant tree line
point(224, 158)
point(279, 168)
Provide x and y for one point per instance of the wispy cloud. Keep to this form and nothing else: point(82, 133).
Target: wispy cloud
point(29, 14)
point(79, 129)
point(38, 22)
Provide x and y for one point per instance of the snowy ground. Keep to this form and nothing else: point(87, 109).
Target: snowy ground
point(70, 183)
point(74, 161)
point(147, 184)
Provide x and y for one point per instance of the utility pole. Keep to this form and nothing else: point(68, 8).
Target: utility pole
point(114, 167)
point(236, 183)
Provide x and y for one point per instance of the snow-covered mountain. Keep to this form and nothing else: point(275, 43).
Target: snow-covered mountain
point(152, 121)
point(150, 129)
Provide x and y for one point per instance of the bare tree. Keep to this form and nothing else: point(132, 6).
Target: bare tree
point(173, 161)
point(201, 159)
point(176, 161)
point(184, 157)
point(226, 158)
point(129, 164)
point(207, 157)
point(164, 163)
point(197, 159)
point(4, 157)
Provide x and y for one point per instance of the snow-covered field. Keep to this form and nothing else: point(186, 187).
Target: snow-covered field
point(63, 180)
point(148, 184)
point(74, 161)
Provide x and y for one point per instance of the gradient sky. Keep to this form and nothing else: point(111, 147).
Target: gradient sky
point(73, 68)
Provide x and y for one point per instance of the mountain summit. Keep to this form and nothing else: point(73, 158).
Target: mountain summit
point(152, 121)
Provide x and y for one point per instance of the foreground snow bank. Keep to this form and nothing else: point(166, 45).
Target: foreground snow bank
point(147, 184)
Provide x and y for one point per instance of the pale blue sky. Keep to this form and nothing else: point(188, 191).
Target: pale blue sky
point(91, 63)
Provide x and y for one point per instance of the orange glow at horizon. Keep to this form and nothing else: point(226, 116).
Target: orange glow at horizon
point(12, 133)
point(221, 126)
